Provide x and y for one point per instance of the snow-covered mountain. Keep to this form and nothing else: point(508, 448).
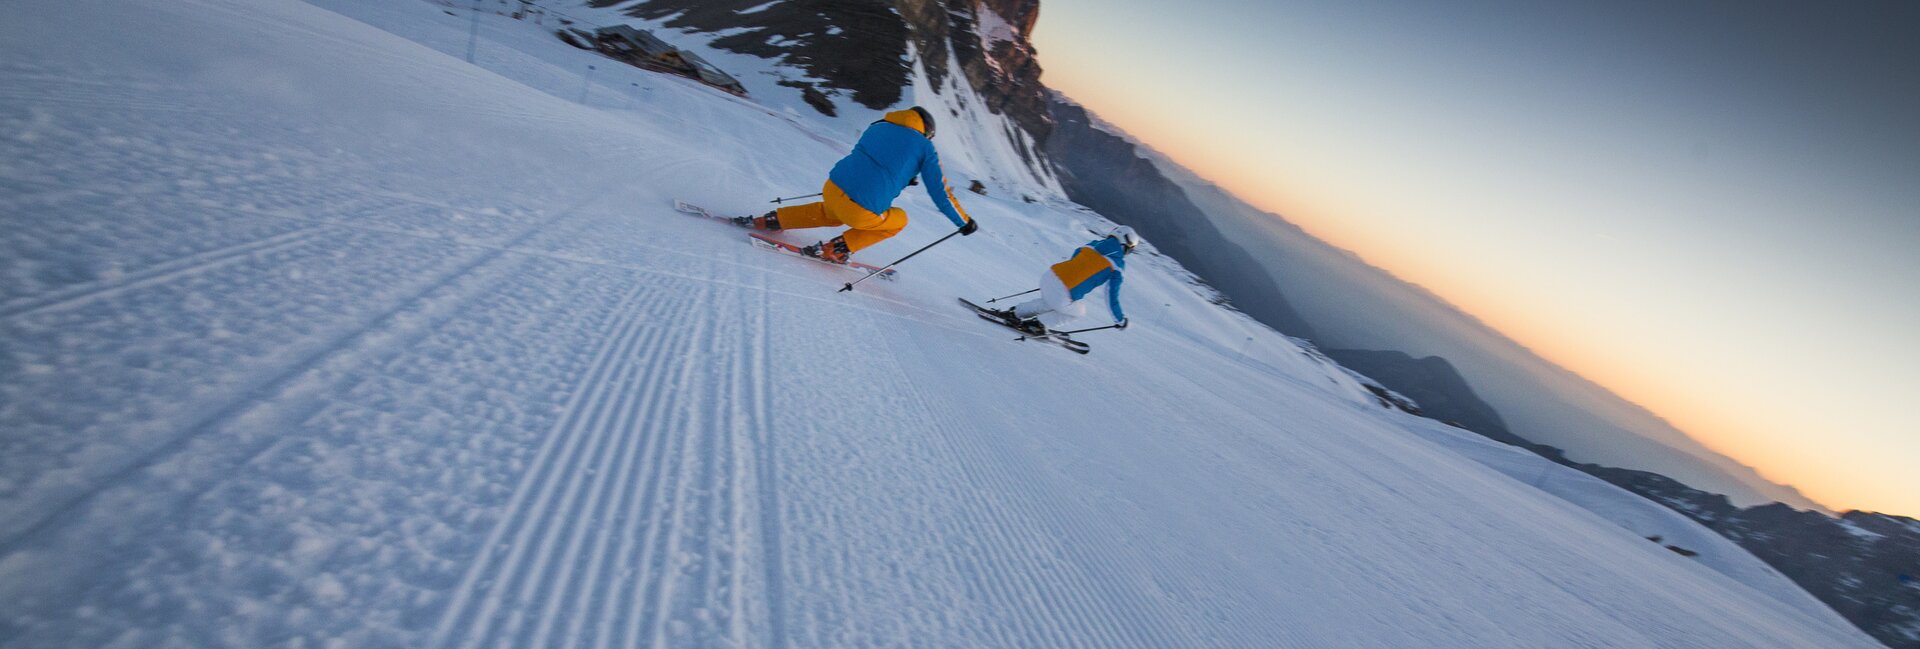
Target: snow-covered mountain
point(314, 334)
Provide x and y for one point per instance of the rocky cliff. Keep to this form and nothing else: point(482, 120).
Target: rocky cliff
point(1433, 383)
point(864, 51)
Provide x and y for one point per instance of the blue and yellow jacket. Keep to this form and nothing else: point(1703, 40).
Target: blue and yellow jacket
point(1098, 262)
point(888, 156)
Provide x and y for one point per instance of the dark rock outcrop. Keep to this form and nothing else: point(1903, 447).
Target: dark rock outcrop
point(1862, 564)
point(1005, 72)
point(1707, 508)
point(1433, 383)
point(860, 48)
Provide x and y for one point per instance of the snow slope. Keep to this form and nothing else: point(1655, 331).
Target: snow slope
point(313, 335)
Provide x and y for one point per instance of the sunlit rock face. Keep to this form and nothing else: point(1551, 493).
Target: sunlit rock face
point(864, 51)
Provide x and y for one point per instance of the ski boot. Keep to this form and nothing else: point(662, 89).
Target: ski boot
point(769, 221)
point(1029, 326)
point(833, 250)
point(1032, 326)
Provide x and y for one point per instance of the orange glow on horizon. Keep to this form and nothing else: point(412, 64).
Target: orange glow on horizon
point(1659, 392)
point(1649, 387)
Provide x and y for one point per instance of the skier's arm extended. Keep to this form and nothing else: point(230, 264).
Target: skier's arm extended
point(1113, 297)
point(937, 189)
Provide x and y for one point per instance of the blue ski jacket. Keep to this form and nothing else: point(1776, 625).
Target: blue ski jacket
point(890, 153)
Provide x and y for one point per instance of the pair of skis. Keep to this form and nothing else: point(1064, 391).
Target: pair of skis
point(761, 240)
point(1005, 319)
point(1002, 318)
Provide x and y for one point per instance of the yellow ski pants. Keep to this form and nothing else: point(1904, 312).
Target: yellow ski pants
point(865, 227)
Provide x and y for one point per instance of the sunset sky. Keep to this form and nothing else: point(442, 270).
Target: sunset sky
point(1711, 208)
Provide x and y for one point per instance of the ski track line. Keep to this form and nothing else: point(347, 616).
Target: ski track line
point(531, 556)
point(666, 560)
point(658, 563)
point(640, 563)
point(658, 408)
point(281, 382)
point(652, 570)
point(748, 376)
point(601, 593)
point(598, 374)
point(766, 475)
point(628, 488)
point(671, 563)
point(193, 264)
point(719, 576)
point(548, 579)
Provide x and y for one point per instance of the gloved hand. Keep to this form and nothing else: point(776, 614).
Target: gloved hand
point(971, 227)
point(1122, 324)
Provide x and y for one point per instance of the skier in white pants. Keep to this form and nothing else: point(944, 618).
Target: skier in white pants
point(1099, 263)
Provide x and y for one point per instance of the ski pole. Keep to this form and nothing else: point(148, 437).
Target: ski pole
point(1063, 333)
point(1076, 331)
point(778, 201)
point(997, 299)
point(887, 267)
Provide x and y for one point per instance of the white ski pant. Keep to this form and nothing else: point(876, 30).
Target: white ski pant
point(1055, 306)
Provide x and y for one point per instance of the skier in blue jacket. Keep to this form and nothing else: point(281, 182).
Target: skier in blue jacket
point(1102, 262)
point(860, 190)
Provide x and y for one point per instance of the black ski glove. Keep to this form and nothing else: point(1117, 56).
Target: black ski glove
point(971, 227)
point(1122, 324)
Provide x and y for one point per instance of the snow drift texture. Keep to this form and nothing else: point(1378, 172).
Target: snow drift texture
point(312, 334)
